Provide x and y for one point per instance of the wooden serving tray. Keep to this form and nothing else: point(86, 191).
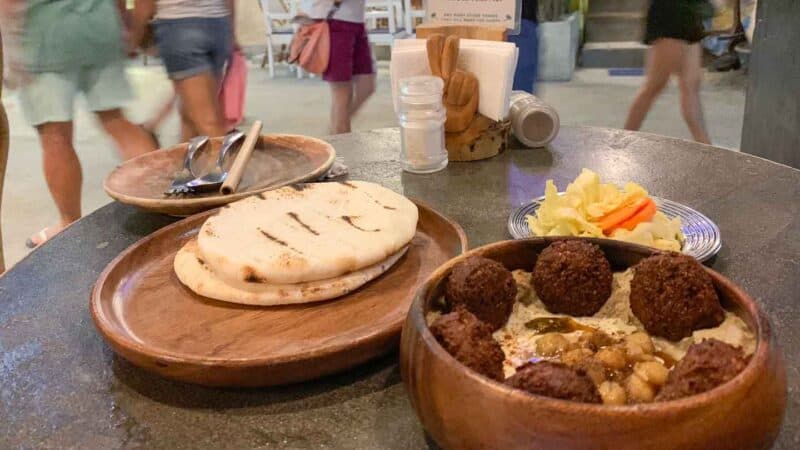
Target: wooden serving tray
point(149, 318)
point(278, 160)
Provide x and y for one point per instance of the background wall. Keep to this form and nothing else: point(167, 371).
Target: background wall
point(772, 110)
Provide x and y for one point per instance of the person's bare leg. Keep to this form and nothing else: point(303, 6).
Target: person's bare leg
point(690, 79)
point(187, 129)
point(131, 139)
point(363, 88)
point(663, 59)
point(199, 105)
point(62, 172)
point(341, 105)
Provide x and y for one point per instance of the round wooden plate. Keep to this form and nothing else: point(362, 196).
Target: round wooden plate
point(278, 160)
point(149, 318)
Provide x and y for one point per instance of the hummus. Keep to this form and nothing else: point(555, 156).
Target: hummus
point(615, 318)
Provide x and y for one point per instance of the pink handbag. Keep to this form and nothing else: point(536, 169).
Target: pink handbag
point(231, 92)
point(311, 46)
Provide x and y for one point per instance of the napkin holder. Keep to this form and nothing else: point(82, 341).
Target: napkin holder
point(490, 140)
point(484, 138)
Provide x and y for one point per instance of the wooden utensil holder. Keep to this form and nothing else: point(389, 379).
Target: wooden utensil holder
point(490, 142)
point(485, 138)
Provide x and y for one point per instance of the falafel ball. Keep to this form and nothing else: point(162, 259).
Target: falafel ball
point(672, 295)
point(705, 366)
point(555, 380)
point(572, 277)
point(484, 287)
point(470, 341)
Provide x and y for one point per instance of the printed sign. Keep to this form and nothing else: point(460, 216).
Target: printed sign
point(472, 12)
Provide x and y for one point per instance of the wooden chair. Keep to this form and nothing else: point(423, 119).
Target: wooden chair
point(3, 152)
point(413, 11)
point(278, 15)
point(388, 11)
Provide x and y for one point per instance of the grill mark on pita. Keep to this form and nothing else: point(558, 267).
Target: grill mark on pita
point(202, 263)
point(251, 277)
point(296, 218)
point(366, 194)
point(279, 241)
point(256, 280)
point(298, 187)
point(349, 220)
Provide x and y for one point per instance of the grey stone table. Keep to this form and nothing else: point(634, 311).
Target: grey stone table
point(61, 385)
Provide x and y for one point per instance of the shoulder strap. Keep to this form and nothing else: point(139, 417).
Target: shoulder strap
point(334, 8)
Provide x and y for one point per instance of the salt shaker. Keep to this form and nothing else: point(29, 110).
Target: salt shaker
point(422, 118)
point(533, 122)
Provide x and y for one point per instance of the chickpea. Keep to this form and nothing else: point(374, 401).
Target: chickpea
point(594, 371)
point(639, 390)
point(523, 281)
point(612, 393)
point(640, 341)
point(575, 346)
point(594, 340)
point(611, 357)
point(576, 357)
point(551, 344)
point(652, 371)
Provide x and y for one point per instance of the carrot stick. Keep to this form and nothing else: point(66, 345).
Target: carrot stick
point(619, 215)
point(643, 215)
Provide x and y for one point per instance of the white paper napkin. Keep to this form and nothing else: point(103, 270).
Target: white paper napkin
point(493, 63)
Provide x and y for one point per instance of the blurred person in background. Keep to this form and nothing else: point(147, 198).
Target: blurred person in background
point(195, 39)
point(528, 43)
point(674, 32)
point(351, 72)
point(59, 49)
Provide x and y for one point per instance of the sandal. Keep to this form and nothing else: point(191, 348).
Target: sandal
point(41, 236)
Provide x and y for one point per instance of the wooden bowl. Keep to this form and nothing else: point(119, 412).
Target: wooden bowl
point(278, 160)
point(462, 409)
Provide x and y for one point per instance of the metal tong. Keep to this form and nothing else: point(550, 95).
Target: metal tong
point(186, 182)
point(183, 177)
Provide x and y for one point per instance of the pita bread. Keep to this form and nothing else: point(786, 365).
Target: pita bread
point(306, 233)
point(193, 272)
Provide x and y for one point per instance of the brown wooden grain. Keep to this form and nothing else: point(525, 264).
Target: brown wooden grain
point(278, 160)
point(155, 322)
point(485, 139)
point(461, 409)
point(243, 155)
point(481, 32)
point(4, 140)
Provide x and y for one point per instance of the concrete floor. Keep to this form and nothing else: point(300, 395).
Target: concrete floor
point(286, 104)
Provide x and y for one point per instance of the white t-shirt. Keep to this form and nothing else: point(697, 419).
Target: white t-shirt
point(349, 11)
point(181, 9)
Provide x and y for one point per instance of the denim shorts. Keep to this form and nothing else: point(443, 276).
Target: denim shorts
point(194, 45)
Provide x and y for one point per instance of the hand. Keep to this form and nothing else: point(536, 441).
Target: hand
point(460, 87)
point(461, 101)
